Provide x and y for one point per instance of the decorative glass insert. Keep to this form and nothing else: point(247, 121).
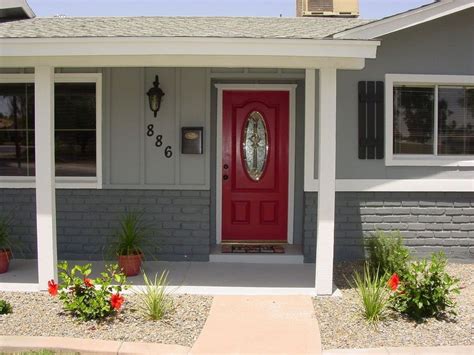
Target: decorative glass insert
point(255, 145)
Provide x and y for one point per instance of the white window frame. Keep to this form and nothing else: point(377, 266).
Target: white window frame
point(63, 182)
point(391, 159)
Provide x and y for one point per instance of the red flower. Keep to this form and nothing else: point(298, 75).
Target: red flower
point(88, 282)
point(393, 282)
point(53, 288)
point(116, 301)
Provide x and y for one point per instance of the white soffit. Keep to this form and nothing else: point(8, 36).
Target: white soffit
point(406, 20)
point(15, 9)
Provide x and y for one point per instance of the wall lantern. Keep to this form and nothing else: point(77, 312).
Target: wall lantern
point(155, 95)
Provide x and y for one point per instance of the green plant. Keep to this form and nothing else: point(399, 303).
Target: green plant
point(154, 300)
point(387, 254)
point(89, 299)
point(131, 235)
point(426, 289)
point(5, 307)
point(373, 293)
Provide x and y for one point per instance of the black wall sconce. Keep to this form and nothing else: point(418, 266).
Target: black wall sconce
point(155, 95)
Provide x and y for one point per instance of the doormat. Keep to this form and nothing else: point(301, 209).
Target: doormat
point(253, 249)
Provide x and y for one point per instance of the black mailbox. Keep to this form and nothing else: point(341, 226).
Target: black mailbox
point(192, 140)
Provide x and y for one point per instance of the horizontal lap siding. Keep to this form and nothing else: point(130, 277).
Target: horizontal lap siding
point(87, 220)
point(428, 221)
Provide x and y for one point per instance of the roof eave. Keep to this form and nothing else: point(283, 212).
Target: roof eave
point(405, 20)
point(196, 46)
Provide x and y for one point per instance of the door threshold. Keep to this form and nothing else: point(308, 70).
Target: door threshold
point(293, 255)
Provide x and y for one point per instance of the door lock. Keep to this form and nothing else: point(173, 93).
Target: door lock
point(226, 177)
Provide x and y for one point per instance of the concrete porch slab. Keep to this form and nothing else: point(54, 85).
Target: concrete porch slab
point(194, 277)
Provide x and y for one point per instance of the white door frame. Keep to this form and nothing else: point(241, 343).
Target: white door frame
point(291, 88)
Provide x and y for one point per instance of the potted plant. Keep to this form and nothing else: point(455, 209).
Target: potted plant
point(129, 242)
point(5, 245)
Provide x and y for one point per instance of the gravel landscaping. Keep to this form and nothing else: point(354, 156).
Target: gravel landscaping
point(343, 327)
point(38, 314)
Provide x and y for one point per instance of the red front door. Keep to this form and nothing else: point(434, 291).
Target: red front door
point(255, 166)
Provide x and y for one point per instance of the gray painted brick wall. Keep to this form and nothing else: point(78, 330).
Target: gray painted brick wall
point(87, 219)
point(429, 221)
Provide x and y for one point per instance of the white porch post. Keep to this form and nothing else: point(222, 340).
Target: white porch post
point(327, 181)
point(45, 175)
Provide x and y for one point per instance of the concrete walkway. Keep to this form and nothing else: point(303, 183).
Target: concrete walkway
point(260, 325)
point(445, 350)
point(13, 344)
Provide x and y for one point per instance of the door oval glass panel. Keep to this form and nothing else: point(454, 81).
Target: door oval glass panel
point(255, 145)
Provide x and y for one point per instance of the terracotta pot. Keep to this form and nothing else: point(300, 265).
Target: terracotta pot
point(9, 252)
point(130, 264)
point(4, 261)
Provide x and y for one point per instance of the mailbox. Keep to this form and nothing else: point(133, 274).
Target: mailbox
point(192, 140)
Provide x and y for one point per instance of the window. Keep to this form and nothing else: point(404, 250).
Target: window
point(430, 120)
point(17, 129)
point(77, 127)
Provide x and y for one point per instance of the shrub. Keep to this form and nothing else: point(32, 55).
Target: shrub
point(374, 294)
point(426, 289)
point(155, 302)
point(89, 299)
point(131, 236)
point(5, 307)
point(387, 254)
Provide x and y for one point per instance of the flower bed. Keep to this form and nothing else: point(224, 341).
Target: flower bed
point(39, 314)
point(342, 326)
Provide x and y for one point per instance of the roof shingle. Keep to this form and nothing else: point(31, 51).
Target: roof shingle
point(217, 27)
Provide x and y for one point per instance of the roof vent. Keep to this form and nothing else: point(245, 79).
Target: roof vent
point(12, 10)
point(329, 8)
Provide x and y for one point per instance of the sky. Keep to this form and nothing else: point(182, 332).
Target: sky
point(370, 9)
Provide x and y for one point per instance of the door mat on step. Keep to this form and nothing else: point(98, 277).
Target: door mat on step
point(253, 249)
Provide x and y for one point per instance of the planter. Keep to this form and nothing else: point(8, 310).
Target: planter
point(4, 261)
point(130, 264)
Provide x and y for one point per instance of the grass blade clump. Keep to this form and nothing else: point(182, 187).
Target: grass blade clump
point(155, 301)
point(373, 294)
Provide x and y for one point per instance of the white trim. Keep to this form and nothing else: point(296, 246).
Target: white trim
point(406, 19)
point(64, 182)
point(405, 185)
point(186, 46)
point(327, 181)
point(310, 181)
point(392, 159)
point(291, 88)
point(185, 61)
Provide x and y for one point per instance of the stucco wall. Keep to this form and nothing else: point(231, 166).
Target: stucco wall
point(429, 222)
point(443, 46)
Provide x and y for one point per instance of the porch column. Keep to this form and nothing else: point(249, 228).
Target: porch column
point(45, 175)
point(327, 181)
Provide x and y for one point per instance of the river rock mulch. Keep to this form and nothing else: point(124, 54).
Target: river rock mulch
point(38, 314)
point(343, 327)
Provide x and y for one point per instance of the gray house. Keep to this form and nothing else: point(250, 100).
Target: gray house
point(299, 134)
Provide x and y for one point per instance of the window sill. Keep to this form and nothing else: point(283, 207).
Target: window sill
point(424, 160)
point(61, 183)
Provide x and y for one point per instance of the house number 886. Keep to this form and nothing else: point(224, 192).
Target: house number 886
point(150, 132)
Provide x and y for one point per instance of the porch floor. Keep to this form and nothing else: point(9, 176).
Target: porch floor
point(193, 277)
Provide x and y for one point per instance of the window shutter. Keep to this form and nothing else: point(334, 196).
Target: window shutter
point(371, 119)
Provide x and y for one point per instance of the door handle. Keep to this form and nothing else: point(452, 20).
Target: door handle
point(225, 177)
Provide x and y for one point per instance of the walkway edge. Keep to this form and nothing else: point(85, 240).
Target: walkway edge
point(86, 346)
point(431, 350)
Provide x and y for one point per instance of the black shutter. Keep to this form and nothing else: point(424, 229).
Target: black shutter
point(371, 119)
